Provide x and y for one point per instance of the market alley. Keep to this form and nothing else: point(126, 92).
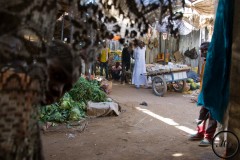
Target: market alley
point(157, 131)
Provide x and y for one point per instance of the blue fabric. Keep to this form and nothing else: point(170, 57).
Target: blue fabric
point(193, 75)
point(215, 90)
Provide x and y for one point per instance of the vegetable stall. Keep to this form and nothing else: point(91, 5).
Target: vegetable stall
point(72, 106)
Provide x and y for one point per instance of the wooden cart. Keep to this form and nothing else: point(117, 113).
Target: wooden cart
point(160, 78)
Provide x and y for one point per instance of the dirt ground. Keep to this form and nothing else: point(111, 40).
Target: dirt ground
point(154, 132)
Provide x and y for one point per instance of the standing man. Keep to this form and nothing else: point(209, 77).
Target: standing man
point(126, 54)
point(104, 60)
point(138, 77)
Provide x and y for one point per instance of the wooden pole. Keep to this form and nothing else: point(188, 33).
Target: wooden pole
point(72, 28)
point(234, 103)
point(62, 32)
point(165, 50)
point(160, 34)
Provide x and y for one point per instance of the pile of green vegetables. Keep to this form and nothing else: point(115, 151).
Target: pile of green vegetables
point(72, 106)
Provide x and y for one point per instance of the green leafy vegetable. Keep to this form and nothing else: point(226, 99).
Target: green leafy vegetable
point(72, 106)
point(74, 114)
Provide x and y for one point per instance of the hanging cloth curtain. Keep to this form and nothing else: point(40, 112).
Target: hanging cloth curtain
point(215, 90)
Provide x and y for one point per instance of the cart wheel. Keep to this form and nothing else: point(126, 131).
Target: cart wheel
point(159, 86)
point(178, 86)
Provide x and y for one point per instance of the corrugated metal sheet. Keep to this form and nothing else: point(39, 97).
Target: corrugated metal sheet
point(170, 44)
point(183, 43)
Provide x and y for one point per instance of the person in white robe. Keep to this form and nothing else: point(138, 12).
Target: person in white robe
point(139, 77)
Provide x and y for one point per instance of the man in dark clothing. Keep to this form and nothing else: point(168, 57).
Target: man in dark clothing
point(126, 54)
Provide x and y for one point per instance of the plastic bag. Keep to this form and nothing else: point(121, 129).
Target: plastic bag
point(192, 54)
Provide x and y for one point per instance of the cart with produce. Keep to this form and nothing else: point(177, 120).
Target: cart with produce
point(162, 75)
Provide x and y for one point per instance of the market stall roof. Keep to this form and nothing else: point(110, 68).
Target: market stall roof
point(204, 13)
point(197, 13)
point(203, 7)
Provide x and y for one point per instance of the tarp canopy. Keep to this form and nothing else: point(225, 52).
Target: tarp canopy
point(203, 7)
point(197, 14)
point(198, 21)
